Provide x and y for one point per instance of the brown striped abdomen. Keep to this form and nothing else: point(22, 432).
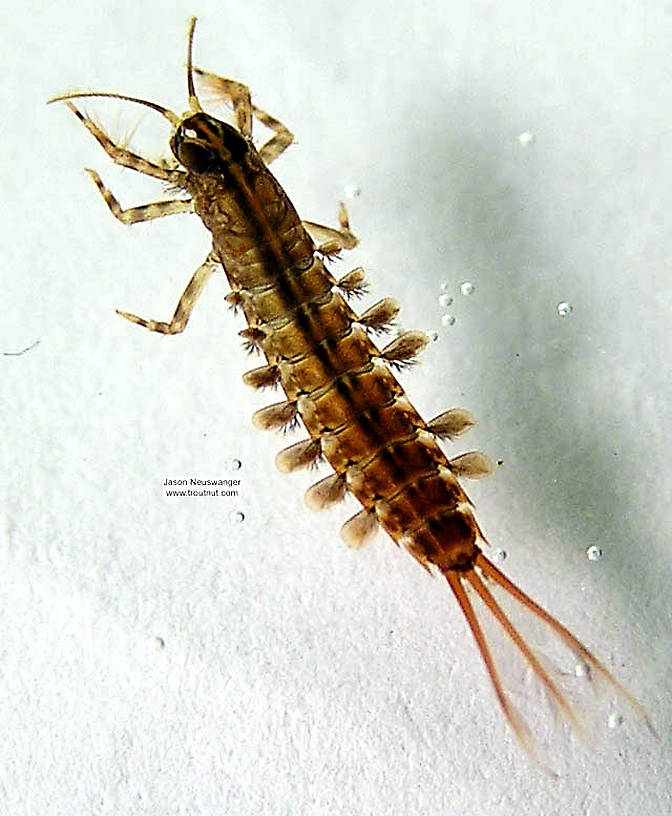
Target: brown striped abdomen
point(329, 368)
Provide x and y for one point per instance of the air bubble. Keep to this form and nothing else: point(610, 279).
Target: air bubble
point(234, 464)
point(445, 300)
point(445, 286)
point(352, 191)
point(526, 138)
point(498, 555)
point(614, 719)
point(448, 320)
point(467, 288)
point(580, 670)
point(433, 336)
point(593, 553)
point(236, 517)
point(564, 308)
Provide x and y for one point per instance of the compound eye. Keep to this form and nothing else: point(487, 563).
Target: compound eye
point(196, 157)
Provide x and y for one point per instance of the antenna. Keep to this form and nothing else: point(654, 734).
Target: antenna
point(194, 104)
point(173, 118)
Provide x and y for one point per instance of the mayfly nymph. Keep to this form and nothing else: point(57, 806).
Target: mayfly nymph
point(336, 380)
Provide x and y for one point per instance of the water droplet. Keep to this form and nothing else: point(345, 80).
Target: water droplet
point(467, 288)
point(445, 286)
point(526, 138)
point(433, 336)
point(593, 553)
point(160, 643)
point(564, 308)
point(614, 719)
point(448, 320)
point(235, 464)
point(498, 555)
point(236, 517)
point(580, 670)
point(352, 191)
point(445, 300)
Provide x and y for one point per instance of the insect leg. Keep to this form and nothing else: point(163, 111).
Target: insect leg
point(331, 241)
point(234, 92)
point(146, 212)
point(186, 303)
point(127, 158)
point(278, 143)
point(239, 95)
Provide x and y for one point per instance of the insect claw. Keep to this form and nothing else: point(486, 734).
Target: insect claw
point(131, 317)
point(72, 108)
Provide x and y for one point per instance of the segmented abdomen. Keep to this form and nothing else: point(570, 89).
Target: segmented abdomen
point(334, 377)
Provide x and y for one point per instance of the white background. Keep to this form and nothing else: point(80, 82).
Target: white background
point(155, 658)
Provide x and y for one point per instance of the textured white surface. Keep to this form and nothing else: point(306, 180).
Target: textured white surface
point(156, 659)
